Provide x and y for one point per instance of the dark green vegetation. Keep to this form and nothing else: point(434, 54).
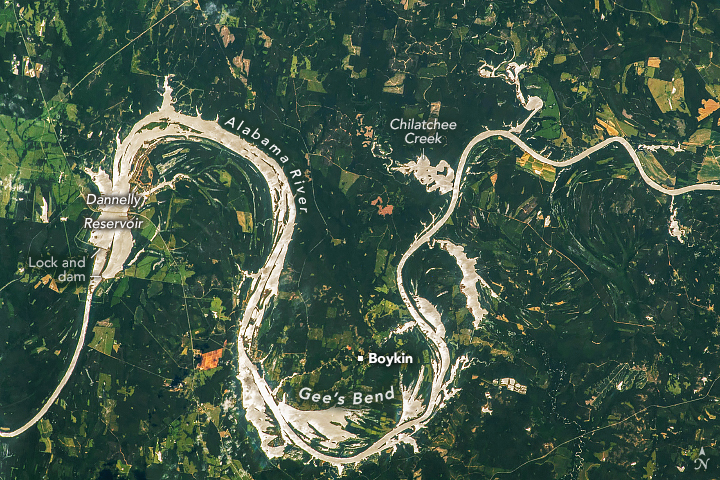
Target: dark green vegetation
point(616, 324)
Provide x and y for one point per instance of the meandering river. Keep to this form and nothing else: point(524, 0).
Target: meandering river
point(261, 406)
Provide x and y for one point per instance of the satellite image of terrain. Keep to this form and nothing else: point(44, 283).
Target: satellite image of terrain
point(379, 239)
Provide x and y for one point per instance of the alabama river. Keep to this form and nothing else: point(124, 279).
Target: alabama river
point(260, 404)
